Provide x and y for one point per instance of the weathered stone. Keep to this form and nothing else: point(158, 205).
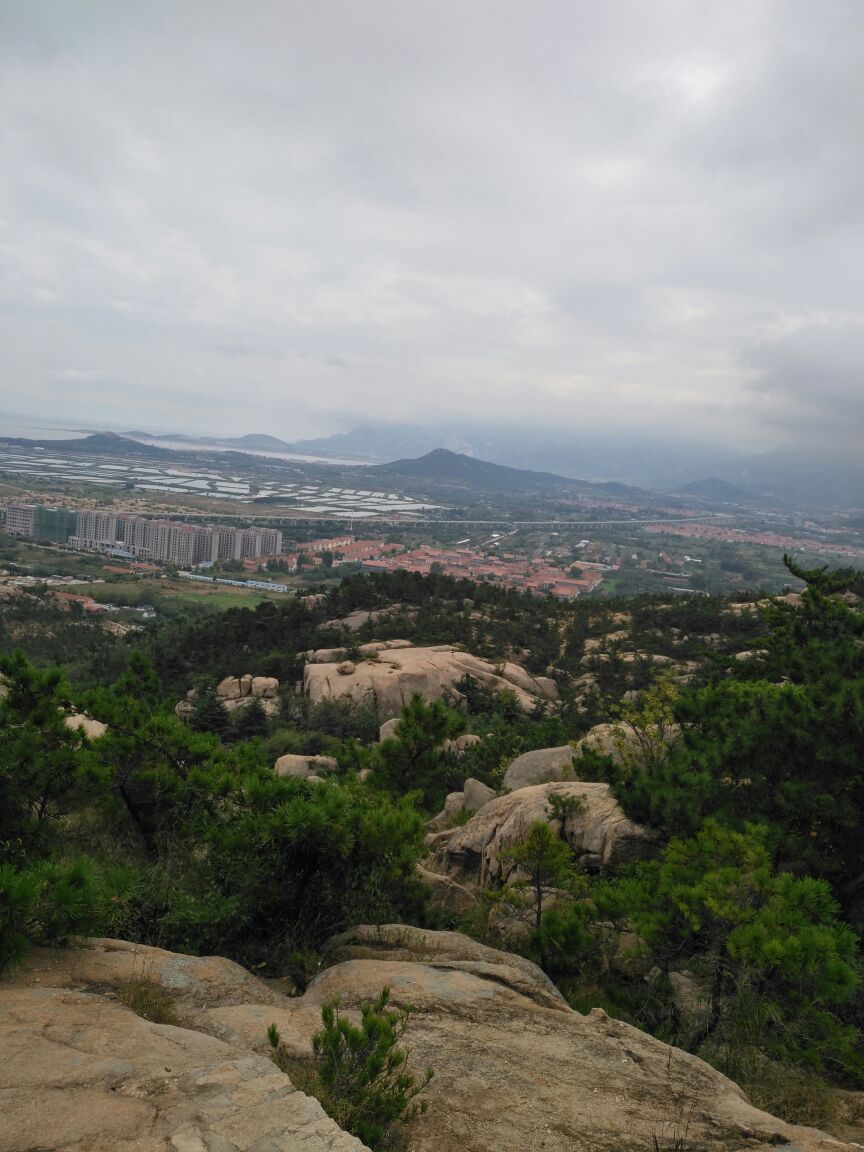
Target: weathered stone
point(476, 794)
point(450, 950)
point(269, 704)
point(617, 740)
point(193, 981)
point(355, 620)
point(81, 1072)
point(325, 655)
point(539, 767)
point(246, 684)
point(598, 832)
point(387, 731)
point(547, 686)
point(516, 1071)
point(91, 728)
point(265, 686)
point(229, 689)
point(465, 741)
point(293, 765)
point(433, 673)
point(453, 805)
point(448, 893)
point(347, 668)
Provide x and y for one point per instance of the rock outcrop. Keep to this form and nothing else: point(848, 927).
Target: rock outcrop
point(397, 671)
point(542, 766)
point(616, 740)
point(83, 1073)
point(477, 794)
point(91, 728)
point(238, 692)
point(387, 731)
point(598, 832)
point(474, 796)
point(515, 1067)
point(304, 766)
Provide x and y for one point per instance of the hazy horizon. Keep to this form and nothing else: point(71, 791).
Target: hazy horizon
point(275, 218)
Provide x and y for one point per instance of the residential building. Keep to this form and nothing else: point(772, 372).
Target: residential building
point(21, 519)
point(36, 522)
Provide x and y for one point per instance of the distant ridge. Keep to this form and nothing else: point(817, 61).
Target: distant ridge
point(112, 444)
point(717, 491)
point(99, 443)
point(446, 467)
point(252, 442)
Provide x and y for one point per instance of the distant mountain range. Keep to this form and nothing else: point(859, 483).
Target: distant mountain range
point(799, 477)
point(612, 465)
point(586, 456)
point(593, 457)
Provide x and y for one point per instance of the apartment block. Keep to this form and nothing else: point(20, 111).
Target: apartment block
point(168, 541)
point(36, 522)
point(94, 527)
point(21, 520)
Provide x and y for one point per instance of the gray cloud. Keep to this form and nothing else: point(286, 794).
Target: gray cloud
point(813, 378)
point(287, 217)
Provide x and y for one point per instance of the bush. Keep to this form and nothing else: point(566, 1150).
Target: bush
point(46, 904)
point(360, 1072)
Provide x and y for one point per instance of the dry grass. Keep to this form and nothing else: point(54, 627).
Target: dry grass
point(149, 1000)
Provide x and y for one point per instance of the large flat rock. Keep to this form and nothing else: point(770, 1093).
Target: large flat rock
point(396, 674)
point(81, 1073)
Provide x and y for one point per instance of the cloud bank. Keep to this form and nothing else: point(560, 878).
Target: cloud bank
point(287, 217)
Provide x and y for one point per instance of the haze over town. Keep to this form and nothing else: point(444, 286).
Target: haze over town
point(290, 218)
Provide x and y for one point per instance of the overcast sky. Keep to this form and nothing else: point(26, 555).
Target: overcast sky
point(287, 216)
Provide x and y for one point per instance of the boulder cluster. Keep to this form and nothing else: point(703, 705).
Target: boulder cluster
point(238, 692)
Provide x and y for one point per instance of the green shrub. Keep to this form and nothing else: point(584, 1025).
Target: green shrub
point(360, 1072)
point(46, 904)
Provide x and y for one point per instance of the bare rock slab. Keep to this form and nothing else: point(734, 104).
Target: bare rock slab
point(81, 1073)
point(397, 673)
